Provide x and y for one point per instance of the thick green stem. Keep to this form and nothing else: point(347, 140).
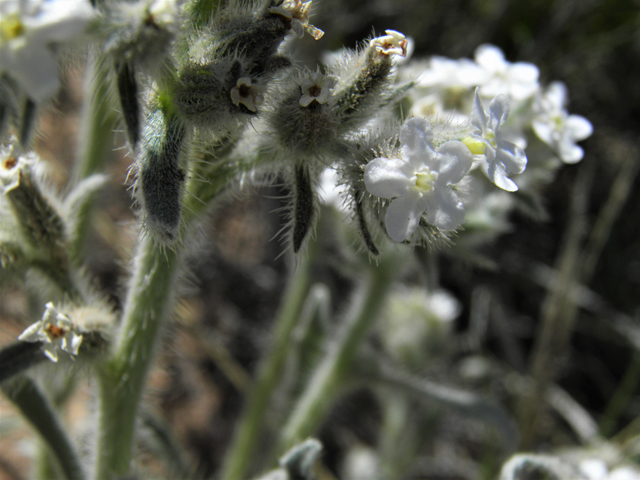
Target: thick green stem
point(247, 432)
point(123, 377)
point(323, 387)
point(37, 409)
point(149, 302)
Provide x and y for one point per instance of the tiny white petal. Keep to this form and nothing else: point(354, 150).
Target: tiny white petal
point(32, 334)
point(51, 352)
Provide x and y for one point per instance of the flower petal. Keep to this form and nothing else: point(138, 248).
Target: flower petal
point(499, 111)
point(415, 138)
point(403, 215)
point(578, 128)
point(512, 157)
point(496, 173)
point(490, 58)
point(543, 130)
point(388, 177)
point(570, 152)
point(456, 162)
point(444, 209)
point(478, 117)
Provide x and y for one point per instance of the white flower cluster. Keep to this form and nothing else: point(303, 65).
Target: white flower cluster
point(445, 88)
point(56, 332)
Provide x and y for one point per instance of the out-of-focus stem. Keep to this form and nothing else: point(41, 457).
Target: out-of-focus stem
point(96, 147)
point(270, 372)
point(326, 381)
point(558, 312)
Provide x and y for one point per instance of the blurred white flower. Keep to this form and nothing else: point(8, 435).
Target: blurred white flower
point(555, 127)
point(594, 469)
point(447, 73)
point(502, 158)
point(516, 80)
point(56, 332)
point(316, 87)
point(624, 473)
point(30, 31)
point(298, 12)
point(12, 163)
point(330, 190)
point(393, 43)
point(422, 179)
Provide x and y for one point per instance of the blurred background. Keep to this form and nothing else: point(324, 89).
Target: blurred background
point(505, 288)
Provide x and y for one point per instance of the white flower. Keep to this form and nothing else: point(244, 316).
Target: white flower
point(422, 179)
point(298, 12)
point(518, 80)
point(247, 94)
point(316, 88)
point(501, 158)
point(555, 127)
point(29, 30)
point(56, 332)
point(12, 163)
point(392, 43)
point(445, 72)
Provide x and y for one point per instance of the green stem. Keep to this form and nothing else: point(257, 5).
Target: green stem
point(122, 378)
point(323, 387)
point(246, 436)
point(37, 409)
point(149, 301)
point(621, 397)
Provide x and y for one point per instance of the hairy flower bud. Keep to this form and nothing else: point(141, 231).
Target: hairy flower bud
point(160, 179)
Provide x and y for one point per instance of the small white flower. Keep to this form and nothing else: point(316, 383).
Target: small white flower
point(316, 88)
point(422, 179)
point(298, 12)
point(393, 43)
point(56, 332)
point(501, 158)
point(555, 127)
point(518, 80)
point(29, 29)
point(12, 163)
point(248, 94)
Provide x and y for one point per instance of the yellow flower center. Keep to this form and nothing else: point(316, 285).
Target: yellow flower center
point(477, 147)
point(425, 181)
point(11, 28)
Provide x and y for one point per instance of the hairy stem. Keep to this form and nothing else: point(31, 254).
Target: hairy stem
point(122, 378)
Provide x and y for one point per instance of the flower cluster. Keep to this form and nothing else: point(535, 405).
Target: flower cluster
point(447, 87)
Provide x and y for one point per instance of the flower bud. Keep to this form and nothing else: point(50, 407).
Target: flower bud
point(160, 179)
point(304, 207)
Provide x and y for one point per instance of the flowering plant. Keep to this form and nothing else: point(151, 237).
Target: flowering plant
point(424, 158)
